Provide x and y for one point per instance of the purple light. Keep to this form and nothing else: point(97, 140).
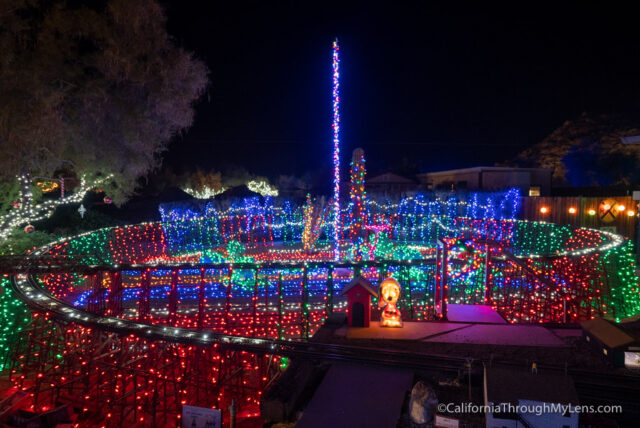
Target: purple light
point(336, 149)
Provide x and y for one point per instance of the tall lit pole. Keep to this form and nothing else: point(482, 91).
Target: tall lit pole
point(336, 149)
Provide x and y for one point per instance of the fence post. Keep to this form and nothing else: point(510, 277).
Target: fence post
point(280, 307)
point(305, 303)
point(144, 305)
point(201, 299)
point(115, 294)
point(95, 297)
point(329, 307)
point(254, 302)
point(173, 296)
point(487, 274)
point(227, 305)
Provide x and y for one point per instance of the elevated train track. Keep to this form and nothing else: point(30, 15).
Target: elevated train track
point(27, 288)
point(112, 321)
point(25, 269)
point(41, 301)
point(593, 386)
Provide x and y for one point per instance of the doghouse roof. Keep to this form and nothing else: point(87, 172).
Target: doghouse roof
point(362, 282)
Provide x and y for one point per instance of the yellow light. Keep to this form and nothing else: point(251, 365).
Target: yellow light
point(47, 186)
point(630, 213)
point(606, 207)
point(544, 210)
point(387, 322)
point(389, 294)
point(572, 210)
point(621, 208)
point(592, 212)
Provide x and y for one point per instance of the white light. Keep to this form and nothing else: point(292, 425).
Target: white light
point(262, 187)
point(205, 193)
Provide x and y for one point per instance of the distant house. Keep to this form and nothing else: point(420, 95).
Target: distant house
point(615, 344)
point(390, 184)
point(530, 181)
point(633, 139)
point(538, 396)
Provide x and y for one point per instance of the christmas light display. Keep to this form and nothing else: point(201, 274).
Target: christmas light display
point(529, 255)
point(314, 219)
point(205, 193)
point(254, 288)
point(14, 317)
point(357, 196)
point(47, 186)
point(389, 295)
point(25, 211)
point(262, 188)
point(137, 382)
point(240, 268)
point(336, 149)
point(192, 309)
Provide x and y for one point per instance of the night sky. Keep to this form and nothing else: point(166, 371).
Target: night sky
point(423, 87)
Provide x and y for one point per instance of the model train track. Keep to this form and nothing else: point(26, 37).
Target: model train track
point(593, 386)
point(27, 288)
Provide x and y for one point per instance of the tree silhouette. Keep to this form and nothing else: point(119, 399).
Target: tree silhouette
point(92, 89)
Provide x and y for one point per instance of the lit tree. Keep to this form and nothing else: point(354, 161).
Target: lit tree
point(96, 90)
point(203, 185)
point(314, 216)
point(357, 195)
point(261, 186)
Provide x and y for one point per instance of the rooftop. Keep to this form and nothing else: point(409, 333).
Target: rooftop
point(474, 313)
point(608, 333)
point(484, 169)
point(634, 139)
point(459, 333)
point(389, 177)
point(357, 396)
point(506, 385)
point(363, 282)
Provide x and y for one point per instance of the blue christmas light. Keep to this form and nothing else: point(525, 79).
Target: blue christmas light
point(336, 149)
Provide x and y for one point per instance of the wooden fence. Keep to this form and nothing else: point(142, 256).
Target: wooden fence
point(617, 214)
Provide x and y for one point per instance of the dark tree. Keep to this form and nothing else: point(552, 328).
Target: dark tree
point(94, 89)
point(588, 151)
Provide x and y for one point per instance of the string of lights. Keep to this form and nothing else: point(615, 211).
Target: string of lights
point(571, 259)
point(538, 271)
point(24, 212)
point(336, 149)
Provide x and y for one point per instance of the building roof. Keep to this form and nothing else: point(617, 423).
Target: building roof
point(634, 139)
point(608, 333)
point(353, 395)
point(505, 385)
point(363, 282)
point(474, 313)
point(483, 169)
point(388, 178)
